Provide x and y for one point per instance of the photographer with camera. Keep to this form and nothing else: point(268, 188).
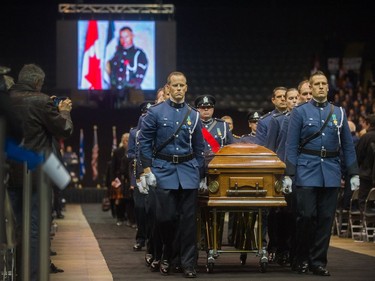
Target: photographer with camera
point(42, 124)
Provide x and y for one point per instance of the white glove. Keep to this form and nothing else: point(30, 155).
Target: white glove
point(150, 179)
point(354, 182)
point(203, 184)
point(142, 186)
point(287, 185)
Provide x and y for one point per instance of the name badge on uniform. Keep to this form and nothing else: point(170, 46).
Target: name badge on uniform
point(219, 132)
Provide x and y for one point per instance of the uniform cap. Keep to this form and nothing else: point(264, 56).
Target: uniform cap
point(205, 100)
point(146, 105)
point(253, 116)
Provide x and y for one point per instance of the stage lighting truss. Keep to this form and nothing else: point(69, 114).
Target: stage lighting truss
point(116, 8)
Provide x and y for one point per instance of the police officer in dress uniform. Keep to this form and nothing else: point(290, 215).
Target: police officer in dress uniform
point(229, 120)
point(280, 220)
point(216, 134)
point(278, 99)
point(139, 194)
point(128, 66)
point(314, 166)
point(304, 95)
point(253, 118)
point(216, 131)
point(171, 152)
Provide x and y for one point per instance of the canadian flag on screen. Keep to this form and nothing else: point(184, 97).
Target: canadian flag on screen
point(91, 71)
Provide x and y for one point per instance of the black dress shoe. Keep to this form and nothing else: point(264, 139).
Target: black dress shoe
point(154, 266)
point(60, 216)
point(149, 259)
point(137, 247)
point(303, 268)
point(164, 267)
point(320, 270)
point(52, 253)
point(54, 269)
point(190, 272)
point(177, 269)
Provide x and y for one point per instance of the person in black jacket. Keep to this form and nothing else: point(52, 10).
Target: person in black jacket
point(121, 194)
point(365, 155)
point(42, 121)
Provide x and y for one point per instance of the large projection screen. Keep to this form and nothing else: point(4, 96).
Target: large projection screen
point(160, 46)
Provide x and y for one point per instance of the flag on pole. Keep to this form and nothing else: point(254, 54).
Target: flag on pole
point(91, 69)
point(95, 155)
point(114, 138)
point(82, 170)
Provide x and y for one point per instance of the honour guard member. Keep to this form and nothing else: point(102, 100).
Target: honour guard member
point(253, 118)
point(275, 124)
point(317, 132)
point(216, 131)
point(171, 152)
point(278, 99)
point(229, 120)
point(280, 220)
point(216, 134)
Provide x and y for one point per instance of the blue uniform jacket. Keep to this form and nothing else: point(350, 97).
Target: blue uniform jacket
point(132, 154)
point(262, 127)
point(273, 132)
point(160, 122)
point(280, 149)
point(311, 170)
point(219, 129)
point(249, 138)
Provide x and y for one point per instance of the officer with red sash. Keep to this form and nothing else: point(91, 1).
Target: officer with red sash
point(215, 131)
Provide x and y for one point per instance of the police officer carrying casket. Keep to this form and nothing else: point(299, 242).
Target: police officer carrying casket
point(216, 131)
point(253, 118)
point(216, 134)
point(317, 132)
point(171, 152)
point(278, 100)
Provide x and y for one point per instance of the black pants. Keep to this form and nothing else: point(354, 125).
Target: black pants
point(176, 221)
point(316, 208)
point(154, 243)
point(140, 215)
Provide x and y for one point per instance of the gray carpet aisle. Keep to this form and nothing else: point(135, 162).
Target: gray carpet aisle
point(116, 245)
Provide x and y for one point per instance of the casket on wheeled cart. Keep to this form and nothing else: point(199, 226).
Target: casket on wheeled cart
point(244, 179)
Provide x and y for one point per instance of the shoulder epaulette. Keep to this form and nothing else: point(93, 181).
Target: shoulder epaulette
point(219, 120)
point(278, 114)
point(235, 136)
point(156, 104)
point(298, 105)
point(192, 107)
point(265, 115)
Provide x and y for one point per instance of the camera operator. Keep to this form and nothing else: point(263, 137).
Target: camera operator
point(42, 123)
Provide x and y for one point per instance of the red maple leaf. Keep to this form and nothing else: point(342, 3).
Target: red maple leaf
point(94, 75)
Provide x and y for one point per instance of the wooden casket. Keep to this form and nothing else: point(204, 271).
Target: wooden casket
point(244, 175)
point(244, 179)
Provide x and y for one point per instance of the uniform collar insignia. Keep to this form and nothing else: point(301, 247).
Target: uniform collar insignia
point(176, 105)
point(319, 104)
point(206, 122)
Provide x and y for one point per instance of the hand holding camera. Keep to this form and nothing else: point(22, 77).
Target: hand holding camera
point(62, 103)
